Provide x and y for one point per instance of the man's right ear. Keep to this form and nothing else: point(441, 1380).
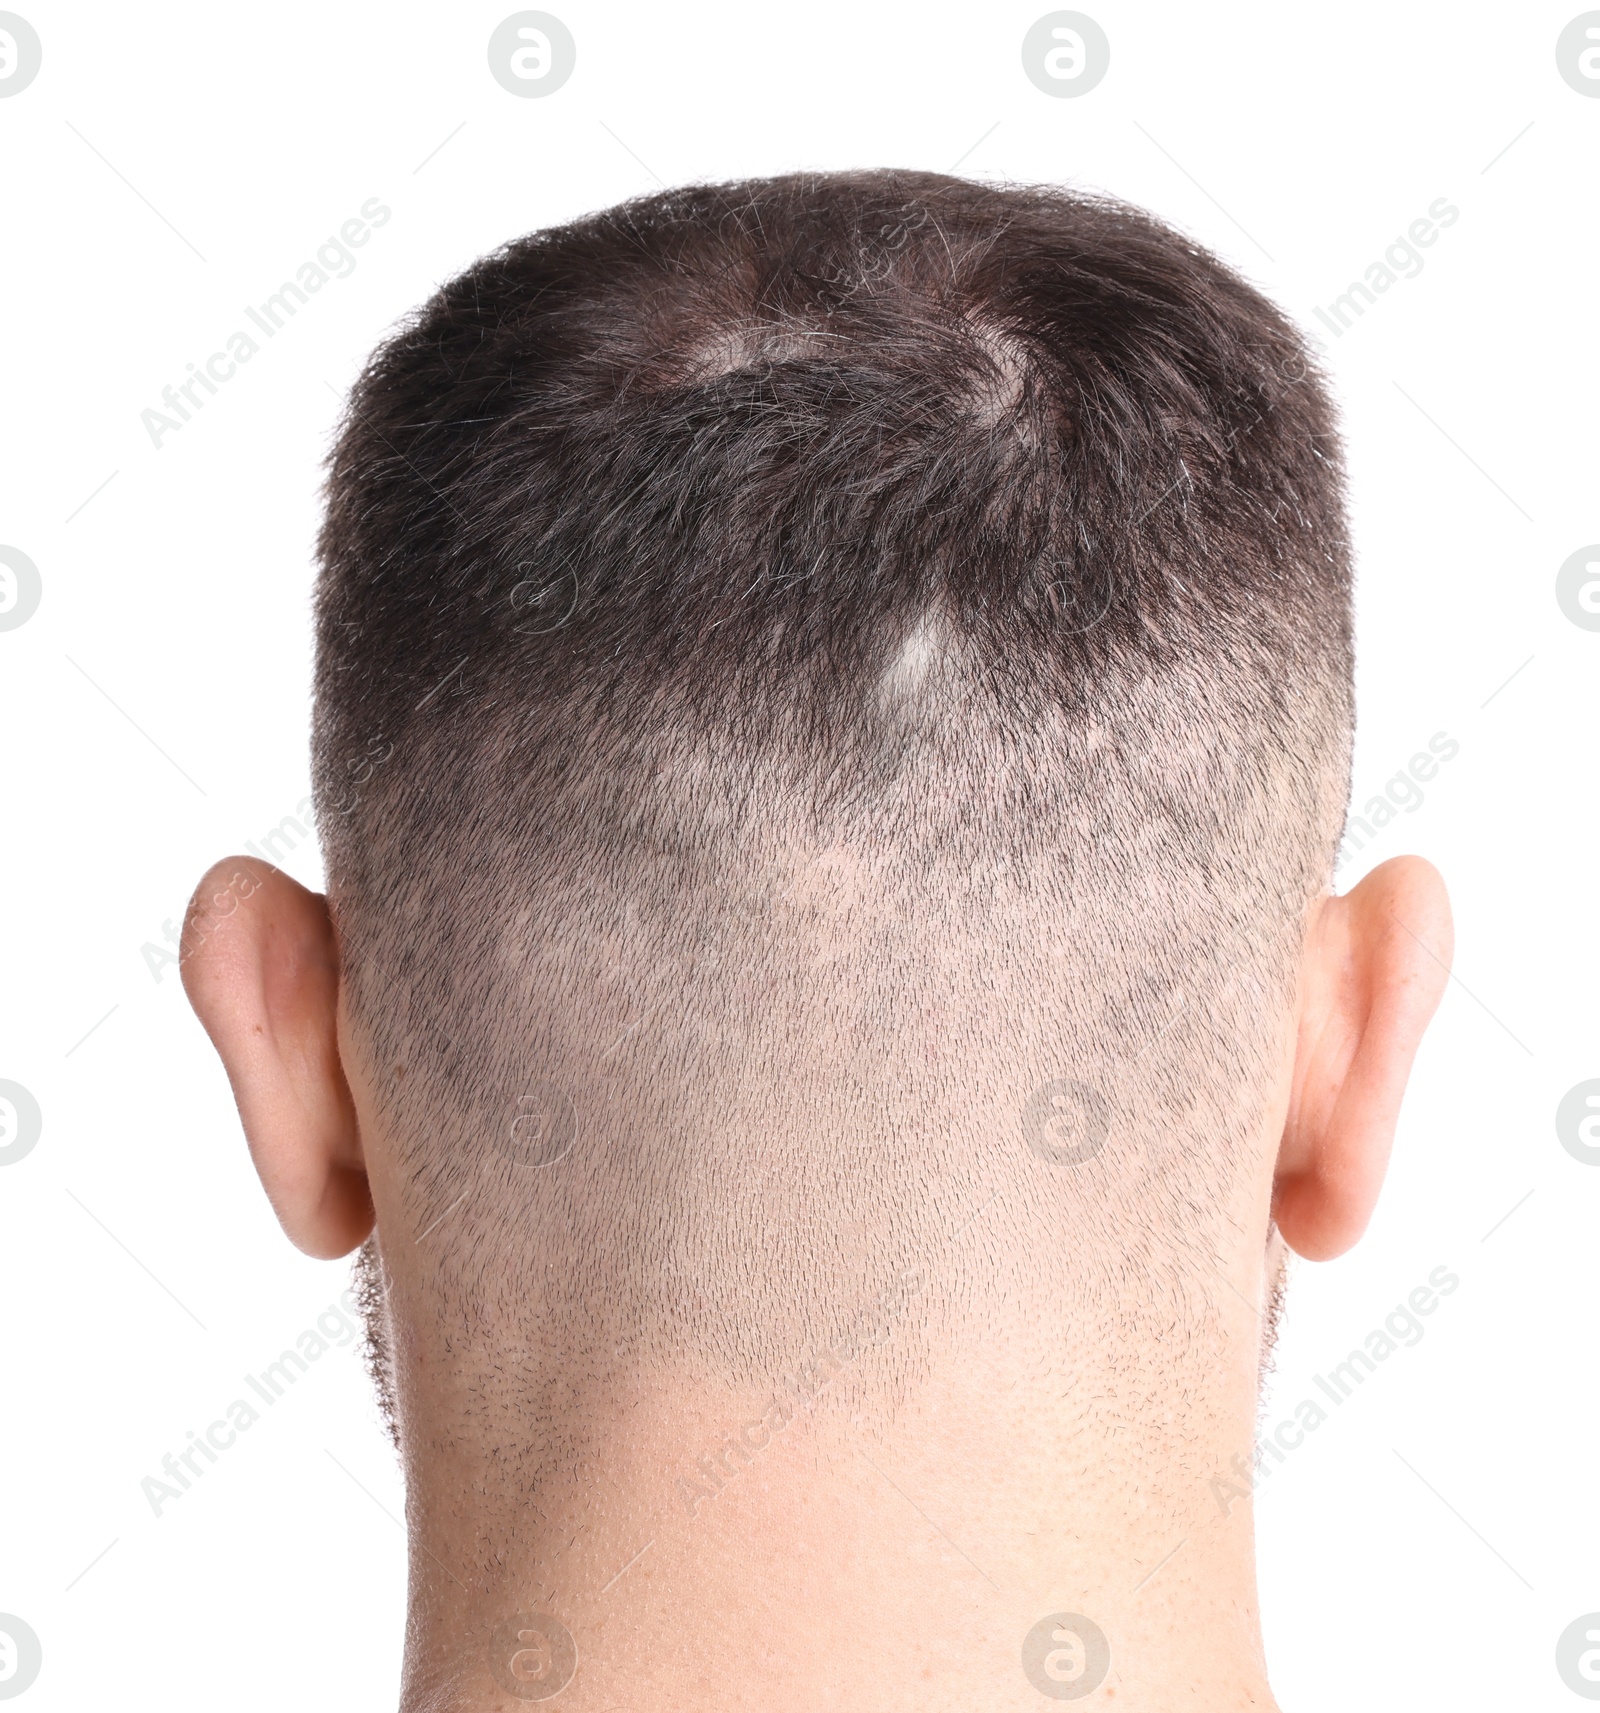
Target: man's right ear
point(261, 968)
point(1373, 970)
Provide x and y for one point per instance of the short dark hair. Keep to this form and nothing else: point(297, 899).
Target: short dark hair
point(984, 542)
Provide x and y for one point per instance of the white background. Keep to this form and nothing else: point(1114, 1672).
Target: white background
point(155, 712)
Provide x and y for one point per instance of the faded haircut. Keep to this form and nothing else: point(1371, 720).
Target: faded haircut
point(833, 699)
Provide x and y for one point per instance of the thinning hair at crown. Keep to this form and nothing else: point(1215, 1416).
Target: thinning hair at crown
point(801, 653)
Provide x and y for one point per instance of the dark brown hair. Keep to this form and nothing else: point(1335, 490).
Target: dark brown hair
point(990, 536)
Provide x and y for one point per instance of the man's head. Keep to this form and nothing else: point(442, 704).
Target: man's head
point(833, 726)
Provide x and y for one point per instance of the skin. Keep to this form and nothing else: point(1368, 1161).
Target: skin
point(828, 1569)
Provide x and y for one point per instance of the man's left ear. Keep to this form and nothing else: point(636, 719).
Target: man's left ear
point(261, 968)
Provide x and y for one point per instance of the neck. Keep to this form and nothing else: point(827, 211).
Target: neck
point(874, 1533)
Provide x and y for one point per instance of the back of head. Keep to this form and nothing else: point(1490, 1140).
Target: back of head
point(833, 701)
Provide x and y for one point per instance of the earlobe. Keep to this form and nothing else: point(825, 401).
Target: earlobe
point(261, 969)
point(1374, 968)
